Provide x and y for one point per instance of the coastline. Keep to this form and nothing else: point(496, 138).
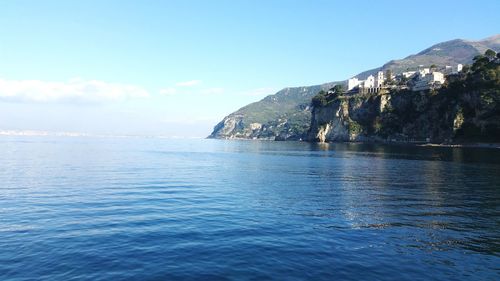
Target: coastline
point(396, 143)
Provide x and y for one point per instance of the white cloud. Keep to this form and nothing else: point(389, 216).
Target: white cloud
point(188, 83)
point(73, 91)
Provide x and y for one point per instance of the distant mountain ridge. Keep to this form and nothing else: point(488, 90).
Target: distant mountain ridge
point(450, 53)
point(286, 115)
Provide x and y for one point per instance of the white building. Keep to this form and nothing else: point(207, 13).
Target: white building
point(424, 71)
point(352, 83)
point(379, 81)
point(453, 70)
point(430, 80)
point(408, 74)
point(369, 82)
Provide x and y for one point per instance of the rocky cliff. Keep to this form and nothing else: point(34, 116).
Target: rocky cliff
point(286, 115)
point(393, 116)
point(466, 109)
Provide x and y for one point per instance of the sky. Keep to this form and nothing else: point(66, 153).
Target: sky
point(176, 68)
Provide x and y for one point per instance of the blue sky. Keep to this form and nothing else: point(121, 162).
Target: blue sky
point(175, 68)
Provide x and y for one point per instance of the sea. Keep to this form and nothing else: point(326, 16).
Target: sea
point(139, 208)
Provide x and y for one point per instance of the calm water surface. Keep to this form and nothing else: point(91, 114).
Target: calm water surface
point(156, 209)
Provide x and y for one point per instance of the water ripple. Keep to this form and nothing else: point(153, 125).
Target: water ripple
point(121, 209)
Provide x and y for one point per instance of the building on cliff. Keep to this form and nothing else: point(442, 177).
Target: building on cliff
point(453, 70)
point(354, 84)
point(423, 78)
point(428, 81)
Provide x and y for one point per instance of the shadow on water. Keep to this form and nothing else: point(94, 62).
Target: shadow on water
point(389, 151)
point(455, 154)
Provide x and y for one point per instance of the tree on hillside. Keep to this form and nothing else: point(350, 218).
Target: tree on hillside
point(480, 62)
point(490, 54)
point(478, 91)
point(324, 98)
point(320, 99)
point(388, 75)
point(337, 89)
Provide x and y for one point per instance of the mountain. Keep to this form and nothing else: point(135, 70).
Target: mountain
point(451, 53)
point(286, 115)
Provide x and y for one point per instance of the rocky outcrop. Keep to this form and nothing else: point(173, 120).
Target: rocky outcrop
point(345, 118)
point(227, 126)
point(233, 127)
point(330, 123)
point(285, 115)
point(405, 116)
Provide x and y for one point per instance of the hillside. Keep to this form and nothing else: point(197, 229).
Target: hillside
point(286, 115)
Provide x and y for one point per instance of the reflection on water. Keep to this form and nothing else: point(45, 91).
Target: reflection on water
point(136, 208)
point(457, 154)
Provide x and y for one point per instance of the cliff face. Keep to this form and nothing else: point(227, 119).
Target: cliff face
point(343, 118)
point(234, 127)
point(466, 109)
point(393, 116)
point(286, 115)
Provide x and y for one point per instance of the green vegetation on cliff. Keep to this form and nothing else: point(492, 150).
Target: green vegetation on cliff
point(323, 98)
point(477, 92)
point(466, 108)
point(284, 115)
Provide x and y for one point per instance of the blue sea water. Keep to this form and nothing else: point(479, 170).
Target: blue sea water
point(82, 208)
